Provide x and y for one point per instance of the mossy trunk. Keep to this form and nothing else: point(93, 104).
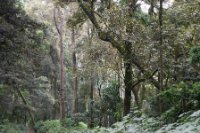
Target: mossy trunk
point(128, 78)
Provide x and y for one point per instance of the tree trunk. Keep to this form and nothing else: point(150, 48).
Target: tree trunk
point(59, 23)
point(75, 83)
point(54, 76)
point(31, 130)
point(128, 79)
point(62, 105)
point(91, 125)
point(151, 8)
point(137, 98)
point(161, 47)
point(54, 94)
point(160, 77)
point(143, 93)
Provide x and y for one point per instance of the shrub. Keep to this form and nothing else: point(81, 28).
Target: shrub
point(69, 122)
point(195, 57)
point(12, 128)
point(49, 126)
point(178, 99)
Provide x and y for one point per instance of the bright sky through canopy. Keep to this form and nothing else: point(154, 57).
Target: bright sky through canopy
point(145, 6)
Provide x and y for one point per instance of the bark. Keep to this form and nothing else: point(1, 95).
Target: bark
point(75, 84)
point(143, 93)
point(151, 9)
point(54, 94)
point(137, 98)
point(160, 77)
point(86, 99)
point(161, 47)
point(91, 124)
point(31, 130)
point(59, 23)
point(53, 78)
point(175, 65)
point(62, 107)
point(128, 79)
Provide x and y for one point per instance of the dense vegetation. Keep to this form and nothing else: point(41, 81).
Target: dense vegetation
point(99, 66)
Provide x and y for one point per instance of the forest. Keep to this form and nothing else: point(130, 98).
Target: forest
point(99, 66)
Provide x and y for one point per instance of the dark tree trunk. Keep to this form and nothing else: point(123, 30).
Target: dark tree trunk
point(91, 124)
point(151, 9)
point(54, 94)
point(160, 76)
point(128, 78)
point(75, 83)
point(161, 47)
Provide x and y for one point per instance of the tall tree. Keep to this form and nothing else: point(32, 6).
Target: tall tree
point(123, 46)
point(75, 77)
point(160, 76)
point(59, 23)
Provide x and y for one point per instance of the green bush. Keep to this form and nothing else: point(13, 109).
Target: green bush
point(12, 128)
point(111, 102)
point(195, 57)
point(82, 125)
point(178, 99)
point(69, 122)
point(54, 126)
point(49, 126)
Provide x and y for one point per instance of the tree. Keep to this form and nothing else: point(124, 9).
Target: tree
point(59, 23)
point(161, 51)
point(22, 51)
point(75, 77)
point(123, 47)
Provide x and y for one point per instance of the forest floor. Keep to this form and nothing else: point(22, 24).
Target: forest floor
point(187, 123)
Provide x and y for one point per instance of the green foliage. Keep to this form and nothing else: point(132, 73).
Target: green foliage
point(54, 126)
point(23, 55)
point(82, 125)
point(69, 122)
point(180, 98)
point(195, 57)
point(49, 126)
point(111, 102)
point(142, 17)
point(22, 49)
point(12, 128)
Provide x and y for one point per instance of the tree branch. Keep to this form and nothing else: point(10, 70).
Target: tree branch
point(26, 103)
point(105, 36)
point(56, 22)
point(136, 62)
point(108, 37)
point(143, 79)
